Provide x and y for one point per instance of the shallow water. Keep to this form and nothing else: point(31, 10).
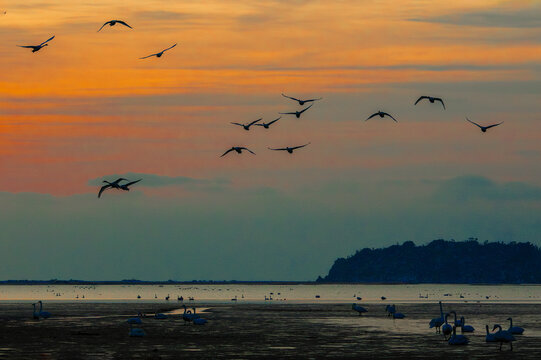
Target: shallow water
point(278, 293)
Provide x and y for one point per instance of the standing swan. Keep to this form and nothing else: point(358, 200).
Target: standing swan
point(515, 330)
point(35, 313)
point(446, 329)
point(490, 337)
point(503, 336)
point(359, 309)
point(437, 322)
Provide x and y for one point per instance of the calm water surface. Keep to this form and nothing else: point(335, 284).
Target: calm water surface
point(276, 293)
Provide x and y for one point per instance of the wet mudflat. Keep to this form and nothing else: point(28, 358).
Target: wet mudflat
point(99, 331)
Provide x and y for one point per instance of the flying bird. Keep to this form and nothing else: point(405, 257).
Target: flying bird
point(238, 149)
point(484, 128)
point(159, 54)
point(246, 126)
point(116, 185)
point(290, 149)
point(431, 99)
point(301, 102)
point(37, 47)
point(297, 113)
point(266, 125)
point(381, 115)
point(113, 23)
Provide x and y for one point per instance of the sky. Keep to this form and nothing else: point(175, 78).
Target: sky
point(87, 109)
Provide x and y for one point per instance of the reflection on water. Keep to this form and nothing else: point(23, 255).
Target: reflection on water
point(276, 293)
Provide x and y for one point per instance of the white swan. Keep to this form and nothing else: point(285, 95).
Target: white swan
point(43, 314)
point(515, 330)
point(490, 337)
point(437, 322)
point(503, 336)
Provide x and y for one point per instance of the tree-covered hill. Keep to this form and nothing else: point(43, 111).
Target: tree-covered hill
point(441, 261)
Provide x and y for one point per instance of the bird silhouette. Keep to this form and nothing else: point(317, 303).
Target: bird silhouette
point(515, 330)
point(431, 99)
point(503, 336)
point(437, 322)
point(266, 125)
point(490, 337)
point(290, 149)
point(484, 128)
point(381, 115)
point(466, 328)
point(301, 102)
point(457, 339)
point(359, 309)
point(159, 54)
point(116, 185)
point(238, 149)
point(297, 113)
point(37, 47)
point(113, 23)
point(246, 126)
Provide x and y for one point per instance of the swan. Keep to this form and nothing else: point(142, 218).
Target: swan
point(247, 126)
point(290, 149)
point(187, 316)
point(266, 125)
point(43, 314)
point(112, 185)
point(167, 297)
point(301, 102)
point(390, 310)
point(457, 322)
point(159, 54)
point(457, 339)
point(484, 129)
point(35, 313)
point(359, 309)
point(503, 336)
point(136, 332)
point(297, 113)
point(37, 47)
point(135, 320)
point(437, 322)
point(446, 329)
point(466, 328)
point(238, 149)
point(125, 187)
point(113, 23)
point(381, 115)
point(490, 337)
point(431, 99)
point(398, 315)
point(515, 330)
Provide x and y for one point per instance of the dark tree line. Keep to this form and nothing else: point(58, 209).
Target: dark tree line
point(441, 261)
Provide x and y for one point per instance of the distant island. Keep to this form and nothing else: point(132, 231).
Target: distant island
point(441, 261)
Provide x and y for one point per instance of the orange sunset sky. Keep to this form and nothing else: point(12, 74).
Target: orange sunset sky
point(86, 108)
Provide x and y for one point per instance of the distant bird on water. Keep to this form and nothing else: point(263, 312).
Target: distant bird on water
point(290, 149)
point(238, 149)
point(113, 23)
point(484, 128)
point(43, 314)
point(37, 47)
point(246, 126)
point(381, 115)
point(266, 125)
point(301, 102)
point(159, 54)
point(297, 113)
point(115, 185)
point(431, 99)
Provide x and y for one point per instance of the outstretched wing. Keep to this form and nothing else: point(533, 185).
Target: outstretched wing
point(245, 148)
point(234, 123)
point(303, 110)
point(119, 180)
point(52, 37)
point(123, 23)
point(133, 182)
point(144, 57)
point(227, 152)
point(312, 99)
point(273, 121)
point(279, 149)
point(103, 188)
point(300, 146)
point(389, 115)
point(480, 127)
point(440, 100)
point(421, 98)
point(289, 97)
point(108, 22)
point(253, 122)
point(288, 113)
point(371, 116)
point(26, 46)
point(490, 126)
point(169, 48)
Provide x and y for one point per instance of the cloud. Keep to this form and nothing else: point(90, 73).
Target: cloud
point(153, 180)
point(163, 15)
point(501, 17)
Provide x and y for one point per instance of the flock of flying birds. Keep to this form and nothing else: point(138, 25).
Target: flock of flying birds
point(239, 149)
